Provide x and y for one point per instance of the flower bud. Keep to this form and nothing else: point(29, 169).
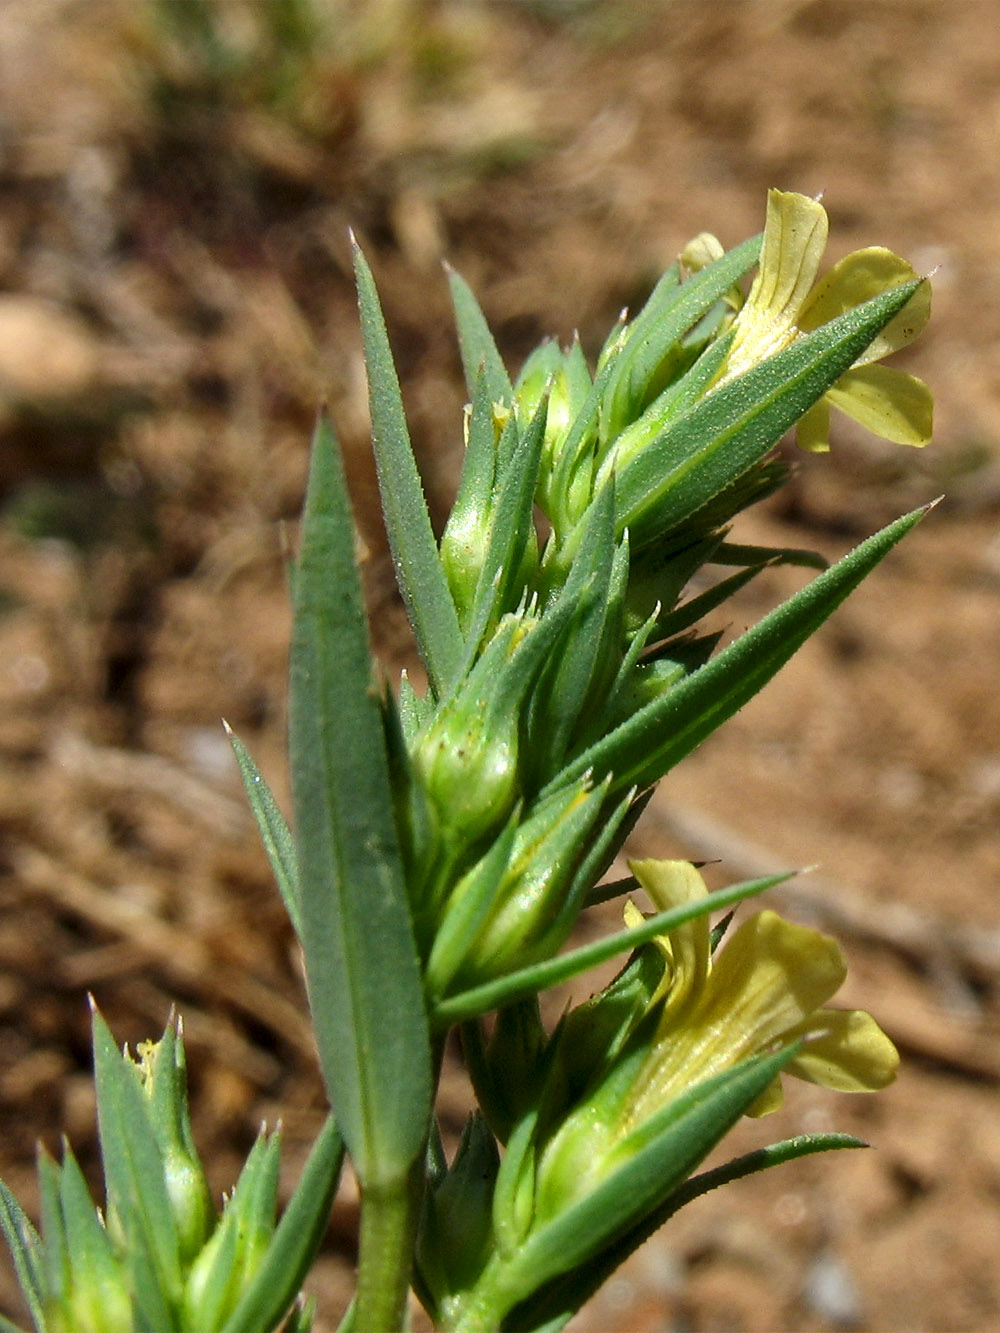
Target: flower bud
point(161, 1069)
point(455, 1238)
point(468, 763)
point(466, 537)
point(529, 910)
point(467, 758)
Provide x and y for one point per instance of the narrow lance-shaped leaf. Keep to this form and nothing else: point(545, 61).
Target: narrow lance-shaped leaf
point(689, 1129)
point(414, 551)
point(658, 736)
point(497, 590)
point(570, 676)
point(27, 1253)
point(671, 311)
point(550, 1309)
point(273, 828)
point(478, 348)
point(297, 1238)
point(540, 976)
point(58, 1269)
point(361, 963)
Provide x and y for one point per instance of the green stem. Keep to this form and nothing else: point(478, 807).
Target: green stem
point(389, 1218)
point(388, 1231)
point(483, 1309)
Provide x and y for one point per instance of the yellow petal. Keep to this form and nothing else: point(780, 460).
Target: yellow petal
point(902, 328)
point(794, 239)
point(849, 1053)
point(857, 278)
point(813, 430)
point(888, 402)
point(687, 949)
point(771, 977)
point(633, 917)
point(766, 983)
point(770, 1100)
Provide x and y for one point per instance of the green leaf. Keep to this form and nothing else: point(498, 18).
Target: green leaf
point(540, 976)
point(675, 400)
point(27, 1252)
point(296, 1240)
point(568, 680)
point(550, 1309)
point(734, 426)
point(349, 1322)
point(501, 577)
point(94, 1268)
point(57, 1254)
point(686, 1132)
point(301, 1318)
point(671, 311)
point(733, 553)
point(599, 854)
point(273, 828)
point(361, 963)
point(696, 608)
point(653, 740)
point(478, 348)
point(408, 526)
point(137, 1191)
point(467, 908)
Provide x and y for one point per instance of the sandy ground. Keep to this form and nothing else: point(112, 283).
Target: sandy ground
point(175, 301)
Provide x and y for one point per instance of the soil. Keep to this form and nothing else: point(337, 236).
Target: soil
point(175, 301)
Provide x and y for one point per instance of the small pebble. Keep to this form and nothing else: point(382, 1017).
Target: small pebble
point(830, 1291)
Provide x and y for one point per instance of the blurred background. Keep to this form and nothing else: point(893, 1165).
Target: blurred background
point(177, 178)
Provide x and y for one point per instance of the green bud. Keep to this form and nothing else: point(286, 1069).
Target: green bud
point(456, 1232)
point(91, 1309)
point(467, 759)
point(581, 1152)
point(540, 367)
point(529, 913)
point(468, 763)
point(232, 1255)
point(162, 1074)
point(490, 429)
point(190, 1202)
point(565, 378)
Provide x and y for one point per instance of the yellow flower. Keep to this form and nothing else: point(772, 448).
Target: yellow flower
point(786, 302)
point(765, 988)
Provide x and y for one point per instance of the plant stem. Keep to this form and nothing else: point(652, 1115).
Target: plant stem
point(388, 1231)
point(482, 1309)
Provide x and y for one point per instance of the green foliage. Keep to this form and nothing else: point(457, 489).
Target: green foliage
point(357, 938)
point(446, 842)
point(159, 1256)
